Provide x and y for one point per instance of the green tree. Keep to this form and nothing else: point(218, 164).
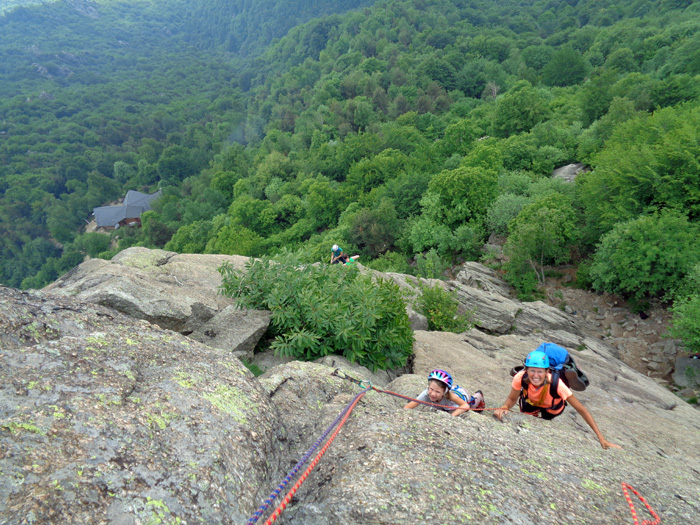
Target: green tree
point(233, 239)
point(156, 231)
point(566, 68)
point(175, 164)
point(460, 195)
point(650, 163)
point(371, 172)
point(519, 110)
point(542, 233)
point(596, 96)
point(504, 209)
point(646, 257)
point(92, 244)
point(190, 238)
point(685, 324)
point(459, 138)
point(375, 231)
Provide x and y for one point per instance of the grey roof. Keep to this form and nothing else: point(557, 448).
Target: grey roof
point(135, 203)
point(136, 198)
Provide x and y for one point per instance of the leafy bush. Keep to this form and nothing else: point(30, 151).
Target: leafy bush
point(321, 309)
point(390, 262)
point(583, 275)
point(442, 310)
point(685, 324)
point(504, 209)
point(648, 256)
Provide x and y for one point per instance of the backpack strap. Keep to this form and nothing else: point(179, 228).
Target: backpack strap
point(554, 390)
point(553, 387)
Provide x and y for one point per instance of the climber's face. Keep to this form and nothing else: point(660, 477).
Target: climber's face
point(537, 376)
point(436, 391)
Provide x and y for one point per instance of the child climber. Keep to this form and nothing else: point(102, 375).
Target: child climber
point(531, 387)
point(442, 391)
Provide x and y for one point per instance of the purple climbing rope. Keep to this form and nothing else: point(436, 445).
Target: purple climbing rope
point(273, 495)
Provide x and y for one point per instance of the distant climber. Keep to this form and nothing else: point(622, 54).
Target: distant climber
point(340, 257)
point(531, 387)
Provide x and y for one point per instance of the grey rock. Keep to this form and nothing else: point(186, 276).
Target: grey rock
point(209, 442)
point(569, 172)
point(418, 321)
point(266, 360)
point(389, 465)
point(475, 275)
point(498, 314)
point(177, 292)
point(237, 331)
point(107, 419)
point(687, 372)
point(377, 378)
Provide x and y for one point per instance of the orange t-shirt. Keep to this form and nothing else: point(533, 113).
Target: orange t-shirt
point(534, 393)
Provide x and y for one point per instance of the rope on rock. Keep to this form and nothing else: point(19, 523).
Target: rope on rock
point(273, 495)
point(626, 486)
point(300, 481)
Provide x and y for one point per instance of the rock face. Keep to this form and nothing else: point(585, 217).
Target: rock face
point(107, 419)
point(110, 419)
point(390, 465)
point(177, 292)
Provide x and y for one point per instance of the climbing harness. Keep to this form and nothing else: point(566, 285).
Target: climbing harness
point(342, 417)
point(626, 486)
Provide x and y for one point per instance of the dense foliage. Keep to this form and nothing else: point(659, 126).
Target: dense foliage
point(408, 131)
point(686, 311)
point(648, 256)
point(321, 310)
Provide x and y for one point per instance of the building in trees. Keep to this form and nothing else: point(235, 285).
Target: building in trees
point(128, 213)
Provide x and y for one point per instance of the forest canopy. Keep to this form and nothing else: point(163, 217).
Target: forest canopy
point(409, 132)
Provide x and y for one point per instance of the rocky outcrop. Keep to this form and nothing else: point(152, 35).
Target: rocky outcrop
point(390, 465)
point(177, 292)
point(569, 172)
point(687, 372)
point(108, 419)
point(482, 292)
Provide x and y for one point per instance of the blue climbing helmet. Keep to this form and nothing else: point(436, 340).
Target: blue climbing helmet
point(442, 376)
point(537, 359)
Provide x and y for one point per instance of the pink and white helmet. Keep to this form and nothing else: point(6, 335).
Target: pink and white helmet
point(442, 376)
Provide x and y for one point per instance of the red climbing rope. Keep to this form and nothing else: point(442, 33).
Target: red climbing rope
point(300, 481)
point(626, 486)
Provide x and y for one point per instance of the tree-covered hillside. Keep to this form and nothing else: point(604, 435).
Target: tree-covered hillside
point(410, 132)
point(96, 96)
point(245, 27)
